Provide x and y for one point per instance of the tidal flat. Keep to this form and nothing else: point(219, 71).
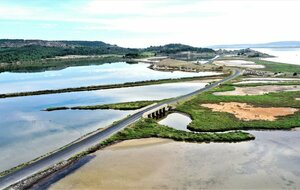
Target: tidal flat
point(271, 161)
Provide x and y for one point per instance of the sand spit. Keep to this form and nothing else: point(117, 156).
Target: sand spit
point(239, 63)
point(248, 112)
point(259, 90)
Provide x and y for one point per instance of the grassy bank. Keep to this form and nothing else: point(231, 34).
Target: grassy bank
point(206, 120)
point(277, 67)
point(288, 83)
point(146, 128)
point(103, 87)
point(117, 106)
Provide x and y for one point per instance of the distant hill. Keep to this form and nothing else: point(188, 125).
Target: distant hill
point(22, 43)
point(19, 50)
point(281, 44)
point(175, 48)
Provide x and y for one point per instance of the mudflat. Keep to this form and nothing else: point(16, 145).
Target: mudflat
point(259, 90)
point(239, 63)
point(165, 164)
point(248, 112)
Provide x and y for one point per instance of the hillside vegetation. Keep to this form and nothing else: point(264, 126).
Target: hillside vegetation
point(204, 119)
point(31, 50)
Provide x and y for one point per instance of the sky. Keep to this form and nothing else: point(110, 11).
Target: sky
point(141, 23)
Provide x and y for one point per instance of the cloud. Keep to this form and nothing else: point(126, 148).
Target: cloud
point(156, 22)
point(15, 12)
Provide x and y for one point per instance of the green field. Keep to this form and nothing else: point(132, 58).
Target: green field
point(277, 67)
point(117, 106)
point(146, 128)
point(206, 120)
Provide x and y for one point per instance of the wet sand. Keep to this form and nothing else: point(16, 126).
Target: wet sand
point(270, 162)
point(239, 63)
point(248, 112)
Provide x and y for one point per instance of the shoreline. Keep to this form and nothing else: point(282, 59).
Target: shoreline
point(65, 165)
point(57, 167)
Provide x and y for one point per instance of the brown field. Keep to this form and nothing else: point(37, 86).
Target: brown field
point(239, 63)
point(172, 64)
point(247, 112)
point(258, 90)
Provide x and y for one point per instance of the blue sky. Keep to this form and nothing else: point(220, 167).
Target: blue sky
point(141, 23)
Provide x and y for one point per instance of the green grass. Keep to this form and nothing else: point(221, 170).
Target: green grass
point(146, 128)
point(206, 120)
point(147, 54)
point(117, 106)
point(277, 67)
point(56, 108)
point(103, 87)
point(268, 84)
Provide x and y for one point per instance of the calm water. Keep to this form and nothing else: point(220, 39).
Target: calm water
point(84, 76)
point(284, 55)
point(271, 161)
point(177, 121)
point(26, 132)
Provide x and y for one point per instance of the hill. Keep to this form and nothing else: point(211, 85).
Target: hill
point(18, 50)
point(176, 48)
point(10, 43)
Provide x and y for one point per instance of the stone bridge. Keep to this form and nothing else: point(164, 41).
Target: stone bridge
point(158, 112)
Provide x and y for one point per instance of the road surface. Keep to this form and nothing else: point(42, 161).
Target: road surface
point(92, 140)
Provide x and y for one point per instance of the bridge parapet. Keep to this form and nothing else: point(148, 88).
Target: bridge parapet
point(158, 112)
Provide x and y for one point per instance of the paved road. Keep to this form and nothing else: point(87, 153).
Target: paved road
point(93, 139)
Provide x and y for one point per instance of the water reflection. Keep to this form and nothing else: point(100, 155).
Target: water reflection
point(177, 121)
point(26, 132)
point(84, 76)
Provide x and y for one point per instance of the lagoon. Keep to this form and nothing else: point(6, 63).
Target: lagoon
point(271, 161)
point(109, 73)
point(26, 132)
point(177, 121)
point(283, 55)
